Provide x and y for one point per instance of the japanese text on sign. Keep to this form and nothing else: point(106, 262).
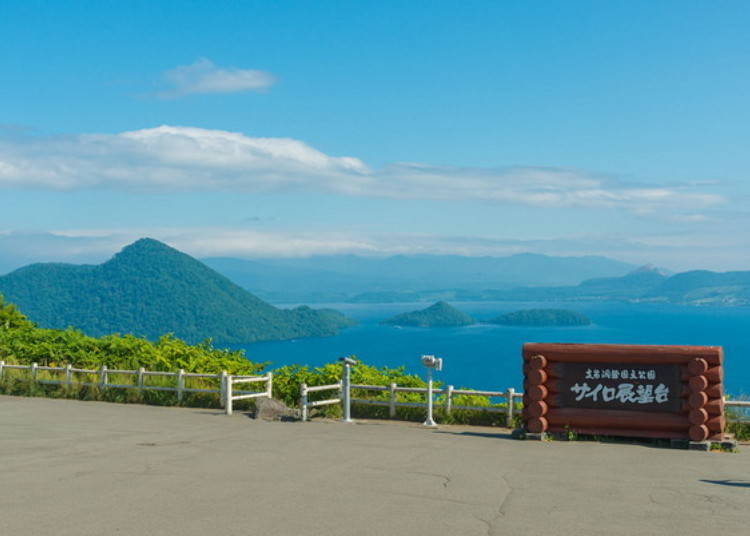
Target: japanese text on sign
point(624, 387)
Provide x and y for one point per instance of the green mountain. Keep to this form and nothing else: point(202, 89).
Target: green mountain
point(701, 287)
point(149, 289)
point(646, 284)
point(542, 317)
point(439, 314)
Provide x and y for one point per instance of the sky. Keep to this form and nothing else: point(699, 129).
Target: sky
point(282, 129)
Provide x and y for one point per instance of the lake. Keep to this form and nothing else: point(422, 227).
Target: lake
point(486, 356)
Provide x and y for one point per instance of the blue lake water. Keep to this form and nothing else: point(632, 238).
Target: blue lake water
point(488, 357)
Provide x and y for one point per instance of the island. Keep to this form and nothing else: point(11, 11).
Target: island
point(439, 314)
point(542, 317)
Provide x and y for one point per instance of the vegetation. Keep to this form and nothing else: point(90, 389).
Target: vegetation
point(439, 314)
point(21, 342)
point(542, 317)
point(149, 289)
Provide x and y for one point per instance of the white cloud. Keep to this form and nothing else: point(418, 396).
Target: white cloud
point(170, 158)
point(674, 251)
point(203, 76)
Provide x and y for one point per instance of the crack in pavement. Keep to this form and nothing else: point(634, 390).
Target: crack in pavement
point(446, 478)
point(501, 508)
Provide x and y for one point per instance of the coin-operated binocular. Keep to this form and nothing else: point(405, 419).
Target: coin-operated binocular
point(431, 363)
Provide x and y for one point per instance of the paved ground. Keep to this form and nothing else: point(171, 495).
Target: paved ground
point(91, 468)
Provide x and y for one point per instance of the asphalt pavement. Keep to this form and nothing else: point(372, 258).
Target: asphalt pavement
point(70, 468)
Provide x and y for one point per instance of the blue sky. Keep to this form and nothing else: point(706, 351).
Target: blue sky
point(259, 129)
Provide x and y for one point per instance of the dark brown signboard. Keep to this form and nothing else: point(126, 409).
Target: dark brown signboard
point(621, 387)
point(625, 390)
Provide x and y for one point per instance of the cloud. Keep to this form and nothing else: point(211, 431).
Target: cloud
point(172, 158)
point(677, 251)
point(203, 76)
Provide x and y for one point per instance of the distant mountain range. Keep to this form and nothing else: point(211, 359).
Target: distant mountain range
point(645, 284)
point(149, 289)
point(352, 278)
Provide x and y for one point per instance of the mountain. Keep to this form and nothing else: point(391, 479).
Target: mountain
point(346, 277)
point(702, 287)
point(149, 289)
point(282, 283)
point(439, 314)
point(632, 284)
point(647, 283)
point(542, 317)
point(644, 284)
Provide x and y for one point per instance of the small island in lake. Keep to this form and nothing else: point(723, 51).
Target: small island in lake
point(542, 317)
point(438, 315)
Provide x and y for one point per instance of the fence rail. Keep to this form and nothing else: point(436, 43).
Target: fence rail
point(231, 381)
point(741, 416)
point(228, 394)
point(449, 391)
point(102, 379)
point(393, 403)
point(305, 404)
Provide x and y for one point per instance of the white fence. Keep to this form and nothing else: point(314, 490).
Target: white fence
point(72, 376)
point(231, 381)
point(509, 395)
point(742, 413)
point(227, 394)
point(305, 404)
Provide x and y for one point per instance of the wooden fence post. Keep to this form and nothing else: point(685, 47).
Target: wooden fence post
point(69, 375)
point(34, 371)
point(392, 401)
point(449, 399)
point(509, 395)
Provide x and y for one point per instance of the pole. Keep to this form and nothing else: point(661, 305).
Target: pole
point(228, 394)
point(509, 396)
point(346, 394)
point(430, 421)
point(303, 401)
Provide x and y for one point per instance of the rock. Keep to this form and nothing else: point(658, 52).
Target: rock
point(269, 409)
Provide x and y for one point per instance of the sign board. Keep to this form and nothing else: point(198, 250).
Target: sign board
point(624, 390)
point(631, 388)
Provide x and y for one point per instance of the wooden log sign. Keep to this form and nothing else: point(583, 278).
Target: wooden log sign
point(671, 392)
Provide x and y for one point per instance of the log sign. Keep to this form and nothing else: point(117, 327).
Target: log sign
point(672, 392)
